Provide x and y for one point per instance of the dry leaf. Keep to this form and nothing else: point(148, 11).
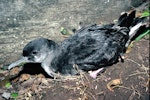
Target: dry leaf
point(114, 83)
point(24, 77)
point(40, 76)
point(129, 48)
point(14, 71)
point(138, 14)
point(45, 82)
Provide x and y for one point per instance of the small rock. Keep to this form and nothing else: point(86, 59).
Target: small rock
point(6, 95)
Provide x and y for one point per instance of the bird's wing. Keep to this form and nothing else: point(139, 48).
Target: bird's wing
point(91, 48)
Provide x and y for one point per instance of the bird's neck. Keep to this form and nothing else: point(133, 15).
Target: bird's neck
point(46, 64)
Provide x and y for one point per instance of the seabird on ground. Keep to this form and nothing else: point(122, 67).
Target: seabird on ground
point(91, 48)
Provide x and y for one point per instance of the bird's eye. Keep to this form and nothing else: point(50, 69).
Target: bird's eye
point(34, 52)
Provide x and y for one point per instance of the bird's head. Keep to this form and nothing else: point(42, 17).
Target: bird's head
point(36, 51)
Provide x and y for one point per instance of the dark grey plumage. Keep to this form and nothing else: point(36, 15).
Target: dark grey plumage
point(90, 48)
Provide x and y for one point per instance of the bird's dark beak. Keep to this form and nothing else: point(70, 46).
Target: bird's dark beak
point(23, 60)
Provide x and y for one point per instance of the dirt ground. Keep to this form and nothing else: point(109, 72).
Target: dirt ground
point(122, 81)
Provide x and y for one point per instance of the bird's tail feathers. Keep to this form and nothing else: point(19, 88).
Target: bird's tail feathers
point(136, 25)
point(126, 20)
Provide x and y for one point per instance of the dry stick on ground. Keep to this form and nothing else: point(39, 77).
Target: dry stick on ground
point(137, 73)
point(133, 61)
point(132, 89)
point(133, 93)
point(146, 71)
point(82, 91)
point(91, 95)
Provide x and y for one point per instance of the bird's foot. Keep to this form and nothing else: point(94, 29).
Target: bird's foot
point(94, 74)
